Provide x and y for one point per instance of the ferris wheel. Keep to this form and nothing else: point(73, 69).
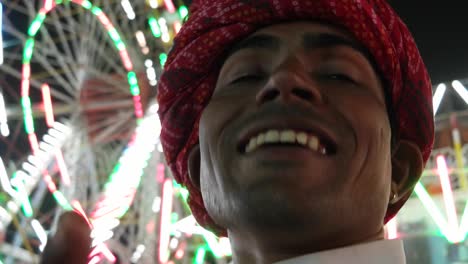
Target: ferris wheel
point(78, 76)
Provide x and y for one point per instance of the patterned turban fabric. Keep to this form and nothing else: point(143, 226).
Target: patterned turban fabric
point(194, 62)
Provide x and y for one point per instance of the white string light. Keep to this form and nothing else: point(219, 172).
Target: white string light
point(438, 95)
point(4, 130)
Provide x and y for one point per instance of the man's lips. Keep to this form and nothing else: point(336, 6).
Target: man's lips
point(283, 128)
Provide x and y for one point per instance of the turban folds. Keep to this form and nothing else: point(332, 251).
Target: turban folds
point(192, 68)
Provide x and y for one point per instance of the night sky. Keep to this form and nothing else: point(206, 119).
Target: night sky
point(441, 32)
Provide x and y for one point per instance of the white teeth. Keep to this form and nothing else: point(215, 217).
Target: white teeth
point(272, 136)
point(286, 136)
point(301, 138)
point(251, 146)
point(313, 143)
point(260, 139)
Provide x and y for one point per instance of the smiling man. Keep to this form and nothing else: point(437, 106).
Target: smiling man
point(299, 127)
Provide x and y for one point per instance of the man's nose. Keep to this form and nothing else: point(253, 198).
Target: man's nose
point(289, 84)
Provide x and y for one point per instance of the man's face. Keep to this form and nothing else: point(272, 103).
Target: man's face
point(296, 133)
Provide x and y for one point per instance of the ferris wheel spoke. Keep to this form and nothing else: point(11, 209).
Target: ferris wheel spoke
point(69, 87)
point(120, 123)
point(112, 84)
point(15, 6)
point(59, 28)
point(36, 84)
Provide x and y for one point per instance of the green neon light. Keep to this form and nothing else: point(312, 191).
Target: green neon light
point(28, 50)
point(162, 59)
point(132, 78)
point(449, 232)
point(62, 200)
point(114, 35)
point(154, 26)
point(183, 12)
point(96, 10)
point(27, 115)
point(86, 4)
point(36, 24)
point(200, 255)
point(464, 224)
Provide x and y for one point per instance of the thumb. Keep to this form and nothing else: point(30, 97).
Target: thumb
point(71, 243)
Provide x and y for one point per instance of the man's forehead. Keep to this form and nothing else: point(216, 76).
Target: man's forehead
point(310, 35)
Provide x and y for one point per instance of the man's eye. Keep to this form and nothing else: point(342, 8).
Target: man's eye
point(247, 78)
point(339, 77)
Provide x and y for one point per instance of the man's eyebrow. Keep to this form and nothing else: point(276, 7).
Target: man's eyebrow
point(311, 41)
point(260, 41)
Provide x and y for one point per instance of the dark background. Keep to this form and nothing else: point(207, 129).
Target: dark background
point(441, 32)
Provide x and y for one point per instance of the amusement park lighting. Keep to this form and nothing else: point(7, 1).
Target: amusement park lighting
point(4, 129)
point(165, 37)
point(464, 223)
point(438, 95)
point(165, 221)
point(183, 12)
point(450, 232)
point(151, 72)
point(447, 191)
point(169, 6)
point(461, 90)
point(153, 23)
point(200, 255)
point(40, 232)
point(127, 6)
point(140, 36)
point(162, 59)
point(47, 101)
point(154, 4)
point(95, 260)
point(1, 34)
point(5, 180)
point(48, 4)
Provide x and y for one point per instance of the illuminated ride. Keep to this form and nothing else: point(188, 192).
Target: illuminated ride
point(79, 78)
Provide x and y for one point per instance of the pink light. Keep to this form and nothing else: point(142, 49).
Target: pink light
point(169, 6)
point(33, 142)
point(48, 5)
point(47, 100)
point(79, 209)
point(160, 173)
point(392, 229)
point(95, 260)
point(25, 87)
point(177, 26)
point(78, 1)
point(50, 183)
point(62, 167)
point(105, 21)
point(108, 254)
point(104, 250)
point(26, 71)
point(447, 191)
point(165, 222)
point(180, 251)
point(126, 60)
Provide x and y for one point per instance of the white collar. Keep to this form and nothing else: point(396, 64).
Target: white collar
point(378, 252)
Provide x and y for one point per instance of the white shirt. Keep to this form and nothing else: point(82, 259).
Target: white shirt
point(378, 252)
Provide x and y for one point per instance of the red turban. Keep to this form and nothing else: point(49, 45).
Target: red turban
point(193, 64)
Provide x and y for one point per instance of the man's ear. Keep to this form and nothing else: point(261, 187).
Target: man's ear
point(407, 166)
point(194, 165)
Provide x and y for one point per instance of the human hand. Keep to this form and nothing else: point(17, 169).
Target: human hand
point(71, 243)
